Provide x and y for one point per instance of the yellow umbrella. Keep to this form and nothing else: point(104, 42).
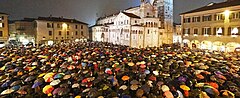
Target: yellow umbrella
point(3, 68)
point(78, 96)
point(41, 75)
point(131, 64)
point(48, 77)
point(184, 87)
point(47, 90)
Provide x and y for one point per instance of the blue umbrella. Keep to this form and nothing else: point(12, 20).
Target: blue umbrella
point(6, 84)
point(147, 72)
point(84, 64)
point(58, 76)
point(36, 84)
point(15, 88)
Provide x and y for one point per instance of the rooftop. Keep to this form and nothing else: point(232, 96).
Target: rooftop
point(3, 13)
point(57, 19)
point(131, 15)
point(215, 6)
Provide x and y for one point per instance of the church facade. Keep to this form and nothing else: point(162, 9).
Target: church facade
point(139, 27)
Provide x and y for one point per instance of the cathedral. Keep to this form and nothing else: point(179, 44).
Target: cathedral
point(148, 25)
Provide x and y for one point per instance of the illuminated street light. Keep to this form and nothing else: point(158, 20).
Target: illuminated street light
point(64, 25)
point(227, 13)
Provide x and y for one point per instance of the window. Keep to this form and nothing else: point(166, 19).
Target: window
point(148, 31)
point(50, 33)
point(56, 37)
point(187, 20)
point(135, 21)
point(195, 31)
point(81, 33)
point(58, 26)
point(1, 25)
point(76, 33)
point(1, 33)
point(219, 17)
point(2, 18)
point(81, 26)
point(206, 31)
point(235, 15)
point(60, 33)
point(186, 31)
point(218, 31)
point(234, 31)
point(196, 19)
point(48, 25)
point(207, 18)
point(67, 32)
point(68, 26)
point(76, 26)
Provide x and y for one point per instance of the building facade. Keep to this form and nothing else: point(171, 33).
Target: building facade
point(177, 33)
point(4, 27)
point(214, 27)
point(137, 27)
point(49, 30)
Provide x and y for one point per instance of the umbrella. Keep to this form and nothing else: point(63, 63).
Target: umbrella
point(75, 85)
point(147, 72)
point(55, 82)
point(134, 82)
point(86, 90)
point(134, 87)
point(123, 87)
point(49, 77)
point(184, 87)
point(168, 94)
point(58, 76)
point(213, 84)
point(47, 90)
point(125, 78)
point(15, 88)
point(36, 84)
point(211, 90)
point(153, 78)
point(105, 87)
point(7, 91)
point(108, 71)
point(131, 64)
point(71, 67)
point(66, 77)
point(139, 93)
point(63, 91)
point(165, 88)
point(55, 91)
point(156, 73)
point(142, 66)
point(6, 84)
point(41, 75)
point(145, 88)
point(30, 78)
point(16, 83)
point(21, 92)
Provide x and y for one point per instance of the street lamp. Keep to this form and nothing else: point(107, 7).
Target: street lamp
point(64, 27)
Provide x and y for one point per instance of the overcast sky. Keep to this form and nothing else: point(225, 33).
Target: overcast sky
point(84, 10)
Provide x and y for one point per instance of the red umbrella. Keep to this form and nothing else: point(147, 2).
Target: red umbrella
point(85, 80)
point(153, 78)
point(142, 66)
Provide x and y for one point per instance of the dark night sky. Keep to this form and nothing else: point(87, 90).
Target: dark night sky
point(84, 10)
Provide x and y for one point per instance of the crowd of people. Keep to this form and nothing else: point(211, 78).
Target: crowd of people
point(105, 70)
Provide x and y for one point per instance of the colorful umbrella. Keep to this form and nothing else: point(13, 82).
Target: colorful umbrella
point(58, 76)
point(125, 78)
point(48, 89)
